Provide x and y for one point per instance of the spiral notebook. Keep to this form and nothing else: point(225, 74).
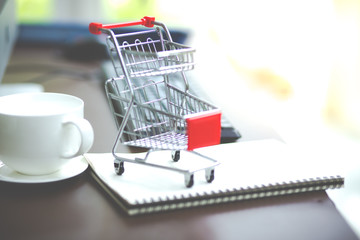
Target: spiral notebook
point(247, 170)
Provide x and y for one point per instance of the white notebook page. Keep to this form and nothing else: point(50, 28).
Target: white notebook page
point(242, 165)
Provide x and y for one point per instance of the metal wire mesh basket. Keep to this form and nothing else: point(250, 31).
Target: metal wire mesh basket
point(143, 59)
point(158, 119)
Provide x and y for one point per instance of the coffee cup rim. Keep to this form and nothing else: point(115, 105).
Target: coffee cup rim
point(24, 96)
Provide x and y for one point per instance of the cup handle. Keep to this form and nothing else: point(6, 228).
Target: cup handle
point(86, 136)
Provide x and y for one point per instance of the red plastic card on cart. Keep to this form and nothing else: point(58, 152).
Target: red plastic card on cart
point(203, 129)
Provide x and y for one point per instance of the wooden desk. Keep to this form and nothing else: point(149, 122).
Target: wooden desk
point(78, 209)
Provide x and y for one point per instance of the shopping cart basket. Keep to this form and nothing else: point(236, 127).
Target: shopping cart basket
point(149, 111)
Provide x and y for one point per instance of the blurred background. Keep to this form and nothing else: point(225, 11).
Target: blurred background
point(279, 67)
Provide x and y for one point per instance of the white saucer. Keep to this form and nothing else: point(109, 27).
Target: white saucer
point(71, 169)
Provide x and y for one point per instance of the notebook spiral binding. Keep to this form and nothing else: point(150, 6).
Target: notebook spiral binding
point(169, 203)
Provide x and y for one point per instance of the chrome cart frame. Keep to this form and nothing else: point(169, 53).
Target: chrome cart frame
point(150, 112)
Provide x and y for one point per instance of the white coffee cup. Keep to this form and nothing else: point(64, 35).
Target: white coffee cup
point(40, 132)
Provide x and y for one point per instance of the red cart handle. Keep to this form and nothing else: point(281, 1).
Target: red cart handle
point(94, 28)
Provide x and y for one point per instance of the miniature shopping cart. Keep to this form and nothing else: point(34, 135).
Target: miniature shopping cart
point(150, 112)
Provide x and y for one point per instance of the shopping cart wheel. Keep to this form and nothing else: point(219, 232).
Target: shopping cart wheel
point(210, 175)
point(175, 155)
point(119, 168)
point(189, 180)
